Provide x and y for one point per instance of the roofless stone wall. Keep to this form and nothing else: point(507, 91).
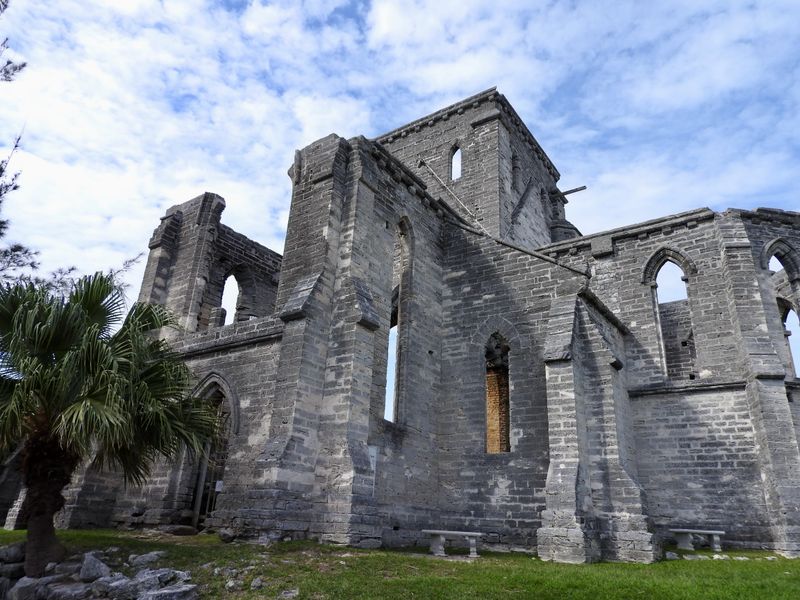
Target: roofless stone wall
point(542, 395)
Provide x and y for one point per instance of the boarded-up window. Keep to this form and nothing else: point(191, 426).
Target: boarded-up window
point(497, 396)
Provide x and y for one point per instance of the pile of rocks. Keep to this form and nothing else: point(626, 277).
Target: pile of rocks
point(87, 576)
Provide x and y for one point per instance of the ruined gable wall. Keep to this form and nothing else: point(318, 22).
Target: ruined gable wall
point(244, 355)
point(251, 370)
point(192, 254)
point(618, 261)
point(697, 440)
point(764, 227)
point(256, 272)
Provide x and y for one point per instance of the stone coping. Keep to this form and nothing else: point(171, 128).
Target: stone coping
point(699, 214)
point(696, 386)
point(227, 337)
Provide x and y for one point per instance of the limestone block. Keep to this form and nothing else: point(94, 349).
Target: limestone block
point(13, 553)
point(146, 559)
point(93, 568)
point(69, 591)
point(12, 570)
point(185, 591)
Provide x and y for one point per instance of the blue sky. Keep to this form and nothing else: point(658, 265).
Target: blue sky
point(131, 106)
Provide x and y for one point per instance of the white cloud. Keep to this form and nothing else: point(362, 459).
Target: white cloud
point(130, 107)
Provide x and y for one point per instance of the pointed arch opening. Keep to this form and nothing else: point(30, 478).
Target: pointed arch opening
point(230, 297)
point(791, 334)
point(675, 320)
point(233, 294)
point(399, 321)
point(390, 398)
point(779, 255)
point(455, 163)
point(497, 395)
point(671, 283)
point(667, 272)
point(209, 482)
point(781, 264)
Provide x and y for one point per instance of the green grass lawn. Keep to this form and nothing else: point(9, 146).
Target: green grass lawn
point(333, 572)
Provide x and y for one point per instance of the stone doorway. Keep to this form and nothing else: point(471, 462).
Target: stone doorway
point(211, 468)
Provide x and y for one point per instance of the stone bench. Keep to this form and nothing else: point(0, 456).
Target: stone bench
point(684, 537)
point(438, 538)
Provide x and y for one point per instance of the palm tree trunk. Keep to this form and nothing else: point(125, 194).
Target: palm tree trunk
point(43, 546)
point(47, 470)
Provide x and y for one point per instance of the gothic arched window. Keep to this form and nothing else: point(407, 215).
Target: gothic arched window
point(399, 330)
point(455, 164)
point(497, 395)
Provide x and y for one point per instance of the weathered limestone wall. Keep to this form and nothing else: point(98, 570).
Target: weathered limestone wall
point(255, 269)
point(769, 232)
point(493, 289)
point(625, 417)
point(243, 358)
point(332, 468)
point(625, 263)
point(529, 205)
point(595, 506)
point(401, 468)
point(90, 499)
point(191, 256)
point(698, 462)
point(506, 177)
point(240, 357)
point(618, 503)
point(776, 233)
point(10, 483)
point(734, 346)
point(678, 338)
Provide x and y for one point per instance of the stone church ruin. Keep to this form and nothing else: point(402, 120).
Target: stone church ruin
point(538, 391)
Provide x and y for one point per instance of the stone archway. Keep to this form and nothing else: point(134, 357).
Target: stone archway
point(209, 480)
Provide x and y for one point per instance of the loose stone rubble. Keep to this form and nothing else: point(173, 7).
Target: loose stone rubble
point(88, 576)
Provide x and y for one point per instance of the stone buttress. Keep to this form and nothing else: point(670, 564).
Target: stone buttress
point(439, 348)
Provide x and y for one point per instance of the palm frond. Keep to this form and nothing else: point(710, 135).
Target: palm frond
point(102, 299)
point(122, 397)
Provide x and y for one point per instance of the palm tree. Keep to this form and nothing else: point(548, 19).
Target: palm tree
point(74, 388)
